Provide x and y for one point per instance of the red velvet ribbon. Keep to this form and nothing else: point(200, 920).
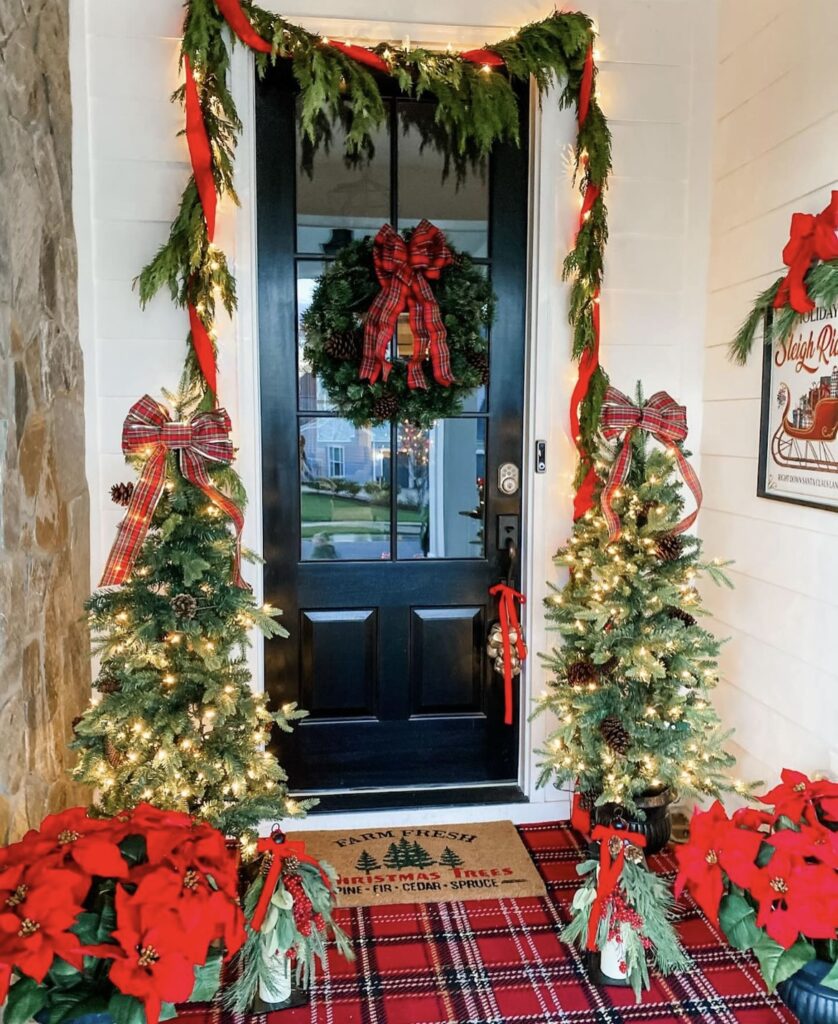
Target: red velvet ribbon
point(362, 55)
point(200, 152)
point(404, 270)
point(609, 872)
point(279, 851)
point(666, 421)
point(148, 430)
point(508, 617)
point(586, 87)
point(202, 344)
point(488, 58)
point(812, 237)
point(580, 819)
point(240, 24)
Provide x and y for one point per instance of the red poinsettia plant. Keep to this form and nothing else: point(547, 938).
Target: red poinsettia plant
point(769, 877)
point(124, 916)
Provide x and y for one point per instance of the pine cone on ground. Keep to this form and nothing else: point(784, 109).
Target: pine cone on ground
point(669, 547)
point(385, 407)
point(681, 615)
point(342, 346)
point(615, 734)
point(480, 361)
point(121, 494)
point(107, 683)
point(184, 606)
point(581, 673)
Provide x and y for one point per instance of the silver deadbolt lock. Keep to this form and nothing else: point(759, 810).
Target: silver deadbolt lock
point(508, 478)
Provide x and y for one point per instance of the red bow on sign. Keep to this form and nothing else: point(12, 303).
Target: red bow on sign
point(811, 238)
point(149, 430)
point(666, 421)
point(610, 870)
point(404, 270)
point(278, 848)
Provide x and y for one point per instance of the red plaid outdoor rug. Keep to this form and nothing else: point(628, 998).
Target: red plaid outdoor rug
point(501, 962)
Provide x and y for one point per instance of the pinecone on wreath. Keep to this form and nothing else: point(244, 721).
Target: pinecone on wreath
point(480, 362)
point(121, 494)
point(681, 615)
point(291, 865)
point(615, 734)
point(670, 547)
point(581, 673)
point(184, 606)
point(342, 346)
point(385, 407)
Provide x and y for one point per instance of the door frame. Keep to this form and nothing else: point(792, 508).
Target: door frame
point(548, 380)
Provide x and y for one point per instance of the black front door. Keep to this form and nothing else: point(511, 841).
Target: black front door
point(381, 543)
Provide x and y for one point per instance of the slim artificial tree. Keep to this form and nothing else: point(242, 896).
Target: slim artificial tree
point(632, 681)
point(177, 723)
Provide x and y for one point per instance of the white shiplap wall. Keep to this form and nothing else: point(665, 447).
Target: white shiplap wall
point(656, 82)
point(775, 153)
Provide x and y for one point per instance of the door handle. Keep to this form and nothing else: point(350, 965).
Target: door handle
point(511, 559)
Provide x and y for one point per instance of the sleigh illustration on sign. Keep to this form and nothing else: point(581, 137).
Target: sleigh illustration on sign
point(806, 444)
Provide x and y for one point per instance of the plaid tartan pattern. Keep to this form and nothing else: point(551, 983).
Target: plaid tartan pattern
point(148, 430)
point(404, 270)
point(666, 421)
point(501, 962)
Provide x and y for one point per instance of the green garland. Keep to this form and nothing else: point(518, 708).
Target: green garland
point(342, 296)
point(474, 110)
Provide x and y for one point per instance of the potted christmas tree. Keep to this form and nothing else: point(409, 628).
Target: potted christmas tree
point(632, 681)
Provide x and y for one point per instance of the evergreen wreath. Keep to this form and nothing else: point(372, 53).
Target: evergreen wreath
point(334, 330)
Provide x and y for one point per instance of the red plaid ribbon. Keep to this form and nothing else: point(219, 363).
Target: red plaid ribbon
point(148, 430)
point(508, 616)
point(404, 270)
point(610, 870)
point(810, 238)
point(278, 848)
point(666, 421)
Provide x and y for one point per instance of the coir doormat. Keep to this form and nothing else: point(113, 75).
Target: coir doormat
point(426, 863)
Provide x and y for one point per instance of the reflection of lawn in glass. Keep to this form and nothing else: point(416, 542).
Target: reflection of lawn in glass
point(327, 513)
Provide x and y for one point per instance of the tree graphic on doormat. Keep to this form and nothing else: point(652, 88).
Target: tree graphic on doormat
point(421, 857)
point(392, 859)
point(367, 863)
point(406, 855)
point(450, 859)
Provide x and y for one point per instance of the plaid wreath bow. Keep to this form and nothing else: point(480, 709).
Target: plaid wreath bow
point(148, 430)
point(666, 421)
point(404, 270)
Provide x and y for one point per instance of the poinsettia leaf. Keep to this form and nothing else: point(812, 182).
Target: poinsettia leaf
point(167, 1011)
point(830, 979)
point(126, 1009)
point(778, 964)
point(738, 920)
point(207, 980)
point(63, 974)
point(86, 928)
point(133, 849)
point(26, 998)
point(75, 1004)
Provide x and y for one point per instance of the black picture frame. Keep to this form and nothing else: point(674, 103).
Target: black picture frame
point(768, 395)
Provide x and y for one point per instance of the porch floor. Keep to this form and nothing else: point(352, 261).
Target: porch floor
point(496, 961)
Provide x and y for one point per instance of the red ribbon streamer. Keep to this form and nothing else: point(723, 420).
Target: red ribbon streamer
point(278, 852)
point(666, 421)
point(240, 24)
point(204, 353)
point(404, 270)
point(810, 238)
point(200, 152)
point(586, 87)
point(149, 430)
point(488, 58)
point(609, 872)
point(508, 616)
point(362, 55)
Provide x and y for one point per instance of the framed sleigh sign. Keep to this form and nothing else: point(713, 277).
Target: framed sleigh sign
point(798, 456)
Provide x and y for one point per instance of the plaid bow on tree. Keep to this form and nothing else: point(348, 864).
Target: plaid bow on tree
point(666, 421)
point(404, 270)
point(149, 431)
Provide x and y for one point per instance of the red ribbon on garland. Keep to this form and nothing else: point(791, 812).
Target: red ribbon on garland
point(508, 617)
point(610, 870)
point(240, 24)
point(404, 270)
point(204, 352)
point(148, 430)
point(362, 55)
point(812, 237)
point(488, 58)
point(666, 421)
point(200, 151)
point(279, 850)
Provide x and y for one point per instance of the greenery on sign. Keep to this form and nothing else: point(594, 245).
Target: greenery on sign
point(633, 676)
point(476, 107)
point(341, 298)
point(178, 723)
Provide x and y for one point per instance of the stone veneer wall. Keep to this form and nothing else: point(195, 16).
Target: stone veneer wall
point(44, 517)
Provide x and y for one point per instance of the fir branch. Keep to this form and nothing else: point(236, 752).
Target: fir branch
point(740, 348)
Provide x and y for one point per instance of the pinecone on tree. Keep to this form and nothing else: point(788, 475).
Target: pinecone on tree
point(615, 734)
point(112, 755)
point(342, 346)
point(121, 494)
point(587, 800)
point(385, 407)
point(480, 361)
point(581, 673)
point(669, 547)
point(681, 615)
point(643, 515)
point(184, 606)
point(107, 683)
